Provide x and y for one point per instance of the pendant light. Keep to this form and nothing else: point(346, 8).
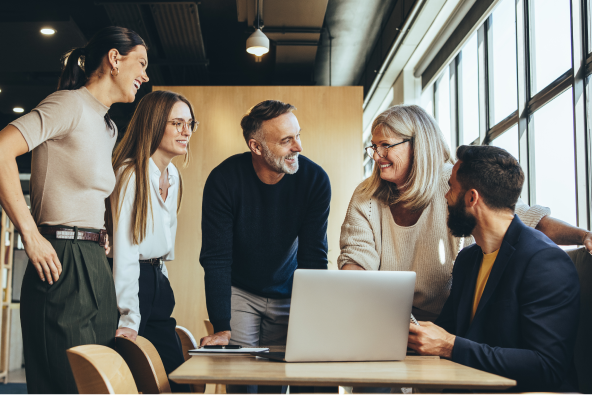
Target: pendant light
point(258, 43)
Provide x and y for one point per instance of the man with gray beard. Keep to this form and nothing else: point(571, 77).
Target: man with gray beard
point(264, 215)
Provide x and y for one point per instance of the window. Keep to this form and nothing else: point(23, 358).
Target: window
point(427, 100)
point(469, 91)
point(442, 106)
point(554, 155)
point(550, 41)
point(509, 141)
point(502, 60)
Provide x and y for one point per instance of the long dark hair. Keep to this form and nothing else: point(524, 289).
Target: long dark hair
point(81, 63)
point(142, 138)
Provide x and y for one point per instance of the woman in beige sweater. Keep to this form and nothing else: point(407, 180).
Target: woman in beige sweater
point(396, 219)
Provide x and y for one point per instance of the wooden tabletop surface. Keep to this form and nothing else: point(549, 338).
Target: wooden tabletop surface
point(414, 371)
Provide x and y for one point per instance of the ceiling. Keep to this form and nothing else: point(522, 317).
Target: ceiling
point(313, 42)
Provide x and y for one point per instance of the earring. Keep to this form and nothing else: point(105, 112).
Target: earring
point(115, 68)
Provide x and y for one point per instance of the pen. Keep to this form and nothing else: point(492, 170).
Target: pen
point(229, 347)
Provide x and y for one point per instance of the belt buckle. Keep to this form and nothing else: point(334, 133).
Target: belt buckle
point(102, 237)
point(65, 234)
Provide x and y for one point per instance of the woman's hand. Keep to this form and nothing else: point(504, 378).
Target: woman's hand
point(127, 332)
point(352, 266)
point(107, 247)
point(42, 256)
point(217, 339)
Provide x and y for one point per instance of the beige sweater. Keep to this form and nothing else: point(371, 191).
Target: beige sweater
point(71, 172)
point(371, 238)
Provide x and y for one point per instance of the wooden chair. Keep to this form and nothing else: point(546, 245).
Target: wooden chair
point(583, 350)
point(188, 342)
point(145, 365)
point(100, 370)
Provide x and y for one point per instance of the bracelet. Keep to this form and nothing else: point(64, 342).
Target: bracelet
point(584, 238)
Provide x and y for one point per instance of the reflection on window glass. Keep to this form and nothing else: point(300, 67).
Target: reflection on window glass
point(509, 141)
point(442, 104)
point(503, 79)
point(555, 175)
point(470, 91)
point(550, 41)
point(427, 100)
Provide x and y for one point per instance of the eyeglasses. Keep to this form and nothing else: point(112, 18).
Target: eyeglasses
point(190, 125)
point(381, 151)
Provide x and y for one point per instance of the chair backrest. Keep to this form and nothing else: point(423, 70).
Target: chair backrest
point(187, 341)
point(583, 350)
point(145, 364)
point(100, 370)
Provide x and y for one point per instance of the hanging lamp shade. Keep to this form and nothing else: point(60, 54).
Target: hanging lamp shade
point(258, 43)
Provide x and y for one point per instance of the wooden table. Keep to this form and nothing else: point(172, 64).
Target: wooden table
point(414, 371)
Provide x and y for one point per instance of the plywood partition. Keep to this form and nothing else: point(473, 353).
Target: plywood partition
point(331, 122)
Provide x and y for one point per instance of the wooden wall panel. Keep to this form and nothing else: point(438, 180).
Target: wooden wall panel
point(331, 122)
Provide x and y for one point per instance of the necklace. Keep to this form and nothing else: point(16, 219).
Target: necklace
point(160, 191)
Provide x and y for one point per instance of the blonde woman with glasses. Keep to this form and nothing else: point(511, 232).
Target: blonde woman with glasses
point(397, 218)
point(143, 212)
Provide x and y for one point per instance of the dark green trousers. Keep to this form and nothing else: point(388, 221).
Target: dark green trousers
point(80, 308)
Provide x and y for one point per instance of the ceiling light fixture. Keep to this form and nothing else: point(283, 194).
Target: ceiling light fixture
point(18, 109)
point(48, 31)
point(258, 43)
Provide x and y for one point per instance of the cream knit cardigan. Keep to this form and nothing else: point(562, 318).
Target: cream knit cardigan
point(371, 238)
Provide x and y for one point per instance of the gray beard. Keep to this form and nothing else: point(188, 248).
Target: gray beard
point(278, 163)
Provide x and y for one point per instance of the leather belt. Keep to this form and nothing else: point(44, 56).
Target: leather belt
point(153, 261)
point(70, 234)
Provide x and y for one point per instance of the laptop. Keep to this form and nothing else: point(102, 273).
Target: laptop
point(348, 315)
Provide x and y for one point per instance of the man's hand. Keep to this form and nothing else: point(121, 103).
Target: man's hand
point(42, 256)
point(217, 339)
point(107, 247)
point(127, 332)
point(352, 266)
point(588, 242)
point(430, 339)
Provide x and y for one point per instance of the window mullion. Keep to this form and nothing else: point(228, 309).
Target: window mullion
point(579, 104)
point(453, 75)
point(483, 79)
point(522, 60)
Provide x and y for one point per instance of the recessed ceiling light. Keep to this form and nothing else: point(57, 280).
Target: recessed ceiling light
point(18, 109)
point(48, 31)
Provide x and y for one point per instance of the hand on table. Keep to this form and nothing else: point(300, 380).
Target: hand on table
point(127, 332)
point(43, 257)
point(430, 339)
point(217, 339)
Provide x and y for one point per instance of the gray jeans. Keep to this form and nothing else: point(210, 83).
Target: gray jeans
point(257, 321)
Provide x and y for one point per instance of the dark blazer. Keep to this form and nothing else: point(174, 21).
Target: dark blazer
point(526, 321)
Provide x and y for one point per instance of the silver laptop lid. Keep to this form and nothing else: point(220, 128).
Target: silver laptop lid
point(349, 315)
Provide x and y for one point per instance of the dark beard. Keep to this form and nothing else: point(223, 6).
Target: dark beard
point(460, 223)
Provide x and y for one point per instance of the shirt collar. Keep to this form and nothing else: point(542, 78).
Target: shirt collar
point(153, 169)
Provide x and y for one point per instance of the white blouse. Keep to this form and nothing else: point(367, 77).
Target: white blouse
point(159, 241)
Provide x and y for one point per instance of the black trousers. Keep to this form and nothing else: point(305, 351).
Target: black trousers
point(157, 302)
point(80, 308)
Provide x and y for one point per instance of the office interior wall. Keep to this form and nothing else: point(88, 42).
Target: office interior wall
point(331, 122)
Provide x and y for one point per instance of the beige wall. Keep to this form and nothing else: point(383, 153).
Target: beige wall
point(331, 122)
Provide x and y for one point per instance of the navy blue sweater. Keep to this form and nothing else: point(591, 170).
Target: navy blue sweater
point(255, 235)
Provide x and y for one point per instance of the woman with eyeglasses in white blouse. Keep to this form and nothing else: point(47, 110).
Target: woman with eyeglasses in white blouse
point(143, 210)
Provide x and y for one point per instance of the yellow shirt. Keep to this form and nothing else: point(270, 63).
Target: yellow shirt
point(484, 271)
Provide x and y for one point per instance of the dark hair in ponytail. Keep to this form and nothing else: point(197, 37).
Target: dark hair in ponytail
point(81, 63)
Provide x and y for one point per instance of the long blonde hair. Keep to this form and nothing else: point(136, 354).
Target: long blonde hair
point(132, 155)
point(430, 152)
